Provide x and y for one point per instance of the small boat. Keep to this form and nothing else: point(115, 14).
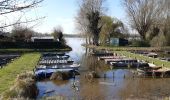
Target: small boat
point(46, 73)
point(130, 65)
point(165, 59)
point(50, 54)
point(153, 55)
point(109, 61)
point(55, 62)
point(65, 57)
point(102, 54)
point(156, 71)
point(72, 66)
point(110, 57)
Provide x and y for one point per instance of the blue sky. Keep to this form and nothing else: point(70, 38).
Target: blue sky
point(63, 12)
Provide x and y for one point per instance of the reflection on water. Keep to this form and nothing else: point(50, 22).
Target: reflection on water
point(117, 83)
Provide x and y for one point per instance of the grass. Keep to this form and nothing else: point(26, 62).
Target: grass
point(23, 64)
point(33, 50)
point(129, 48)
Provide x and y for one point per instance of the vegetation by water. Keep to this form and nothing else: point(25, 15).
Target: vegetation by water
point(23, 64)
point(154, 49)
point(33, 50)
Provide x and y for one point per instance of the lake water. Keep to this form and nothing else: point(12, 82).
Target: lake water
point(119, 83)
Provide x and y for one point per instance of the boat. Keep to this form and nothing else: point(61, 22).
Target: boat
point(153, 55)
point(130, 65)
point(65, 57)
point(46, 73)
point(72, 66)
point(156, 71)
point(109, 61)
point(55, 62)
point(110, 57)
point(50, 54)
point(103, 53)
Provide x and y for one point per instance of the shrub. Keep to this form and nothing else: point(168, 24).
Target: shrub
point(139, 43)
point(24, 87)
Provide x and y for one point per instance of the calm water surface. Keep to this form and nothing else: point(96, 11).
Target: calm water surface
point(118, 84)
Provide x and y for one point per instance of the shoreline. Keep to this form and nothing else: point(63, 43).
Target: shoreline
point(125, 52)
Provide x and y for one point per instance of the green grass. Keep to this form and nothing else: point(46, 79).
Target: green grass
point(129, 48)
point(8, 74)
point(34, 50)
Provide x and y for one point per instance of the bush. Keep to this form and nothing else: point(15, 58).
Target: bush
point(24, 87)
point(159, 41)
point(61, 75)
point(139, 43)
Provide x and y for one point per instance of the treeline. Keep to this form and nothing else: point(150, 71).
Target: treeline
point(148, 18)
point(151, 20)
point(21, 37)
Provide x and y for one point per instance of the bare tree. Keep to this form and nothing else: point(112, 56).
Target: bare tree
point(22, 34)
point(58, 34)
point(12, 6)
point(89, 17)
point(143, 14)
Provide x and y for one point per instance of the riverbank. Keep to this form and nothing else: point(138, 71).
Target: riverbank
point(23, 64)
point(153, 49)
point(33, 50)
point(124, 51)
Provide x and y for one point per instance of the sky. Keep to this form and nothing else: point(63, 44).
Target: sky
point(62, 13)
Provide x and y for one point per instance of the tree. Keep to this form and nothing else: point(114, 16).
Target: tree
point(143, 14)
point(58, 34)
point(89, 17)
point(12, 6)
point(111, 27)
point(22, 34)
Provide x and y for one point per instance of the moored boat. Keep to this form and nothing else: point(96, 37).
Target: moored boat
point(72, 66)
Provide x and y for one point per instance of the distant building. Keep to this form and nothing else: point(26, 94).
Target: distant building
point(118, 42)
point(43, 39)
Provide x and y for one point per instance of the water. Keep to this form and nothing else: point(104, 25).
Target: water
point(118, 84)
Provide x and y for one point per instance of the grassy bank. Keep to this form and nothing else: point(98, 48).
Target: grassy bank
point(124, 51)
point(23, 64)
point(129, 48)
point(33, 50)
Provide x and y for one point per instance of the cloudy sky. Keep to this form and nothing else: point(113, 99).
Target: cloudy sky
point(63, 12)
